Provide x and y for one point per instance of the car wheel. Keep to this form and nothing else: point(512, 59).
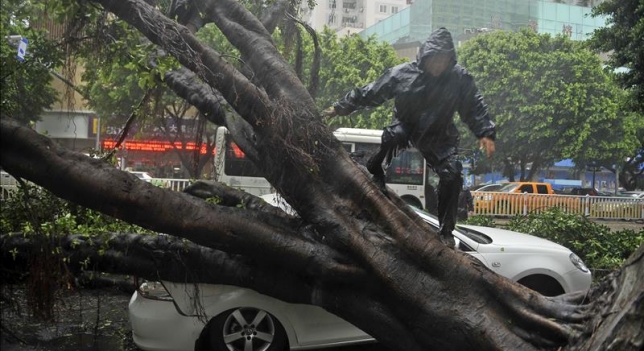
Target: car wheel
point(243, 329)
point(543, 284)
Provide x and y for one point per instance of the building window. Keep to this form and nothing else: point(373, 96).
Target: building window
point(332, 4)
point(394, 9)
point(383, 8)
point(349, 5)
point(349, 20)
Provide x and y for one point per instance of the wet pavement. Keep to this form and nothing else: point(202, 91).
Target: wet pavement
point(83, 320)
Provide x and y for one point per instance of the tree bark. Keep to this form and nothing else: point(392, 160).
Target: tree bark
point(353, 249)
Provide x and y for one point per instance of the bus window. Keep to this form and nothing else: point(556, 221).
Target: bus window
point(368, 148)
point(236, 163)
point(365, 150)
point(407, 168)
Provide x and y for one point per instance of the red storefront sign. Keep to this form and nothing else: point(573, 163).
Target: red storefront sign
point(154, 146)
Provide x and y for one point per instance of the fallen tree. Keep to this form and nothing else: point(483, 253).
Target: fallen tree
point(353, 249)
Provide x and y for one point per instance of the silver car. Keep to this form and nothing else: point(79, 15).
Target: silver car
point(163, 314)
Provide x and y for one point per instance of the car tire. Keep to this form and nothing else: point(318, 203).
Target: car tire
point(237, 328)
point(543, 284)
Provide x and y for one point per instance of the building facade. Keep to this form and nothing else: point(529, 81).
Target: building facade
point(465, 18)
point(350, 16)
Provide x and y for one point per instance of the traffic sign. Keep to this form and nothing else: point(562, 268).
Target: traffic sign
point(22, 49)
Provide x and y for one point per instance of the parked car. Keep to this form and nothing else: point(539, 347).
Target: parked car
point(480, 195)
point(584, 191)
point(633, 194)
point(164, 317)
point(506, 199)
point(145, 176)
point(490, 187)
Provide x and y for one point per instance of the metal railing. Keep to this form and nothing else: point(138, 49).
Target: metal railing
point(605, 207)
point(487, 203)
point(171, 183)
point(8, 184)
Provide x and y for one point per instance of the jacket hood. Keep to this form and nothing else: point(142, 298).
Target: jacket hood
point(439, 42)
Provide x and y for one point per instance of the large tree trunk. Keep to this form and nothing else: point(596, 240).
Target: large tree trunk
point(354, 250)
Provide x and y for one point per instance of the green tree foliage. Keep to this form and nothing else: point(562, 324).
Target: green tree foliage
point(128, 79)
point(623, 39)
point(33, 210)
point(347, 63)
point(600, 248)
point(25, 86)
point(551, 101)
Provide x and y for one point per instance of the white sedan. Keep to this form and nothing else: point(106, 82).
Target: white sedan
point(163, 315)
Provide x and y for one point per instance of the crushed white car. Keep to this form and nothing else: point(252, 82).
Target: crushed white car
point(163, 315)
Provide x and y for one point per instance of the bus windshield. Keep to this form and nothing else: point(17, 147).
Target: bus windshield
point(236, 163)
point(407, 168)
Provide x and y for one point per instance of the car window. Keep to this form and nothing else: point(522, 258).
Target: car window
point(491, 188)
point(542, 189)
point(526, 188)
point(508, 188)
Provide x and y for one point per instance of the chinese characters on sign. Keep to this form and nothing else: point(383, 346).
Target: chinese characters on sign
point(155, 145)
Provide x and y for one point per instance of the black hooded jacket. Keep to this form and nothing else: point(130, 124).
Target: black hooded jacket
point(425, 105)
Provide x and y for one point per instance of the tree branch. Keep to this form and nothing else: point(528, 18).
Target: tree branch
point(248, 35)
point(26, 154)
point(177, 41)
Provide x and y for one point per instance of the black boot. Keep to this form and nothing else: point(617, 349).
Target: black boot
point(447, 238)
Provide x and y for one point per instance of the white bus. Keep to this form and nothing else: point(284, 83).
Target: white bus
point(406, 176)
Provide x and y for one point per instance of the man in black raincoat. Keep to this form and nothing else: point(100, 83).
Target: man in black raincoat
point(426, 95)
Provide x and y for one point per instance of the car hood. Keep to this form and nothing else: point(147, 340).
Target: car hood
point(501, 238)
point(510, 239)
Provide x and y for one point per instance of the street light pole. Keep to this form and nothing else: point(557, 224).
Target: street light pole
point(98, 133)
point(592, 166)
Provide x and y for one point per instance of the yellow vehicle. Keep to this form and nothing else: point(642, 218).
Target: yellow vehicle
point(521, 198)
point(527, 187)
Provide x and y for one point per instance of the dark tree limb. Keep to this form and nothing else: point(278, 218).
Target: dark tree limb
point(314, 77)
point(163, 257)
point(252, 39)
point(272, 16)
point(429, 296)
point(186, 48)
point(124, 196)
point(617, 322)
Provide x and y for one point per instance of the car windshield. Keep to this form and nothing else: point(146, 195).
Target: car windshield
point(508, 188)
point(470, 233)
point(491, 187)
